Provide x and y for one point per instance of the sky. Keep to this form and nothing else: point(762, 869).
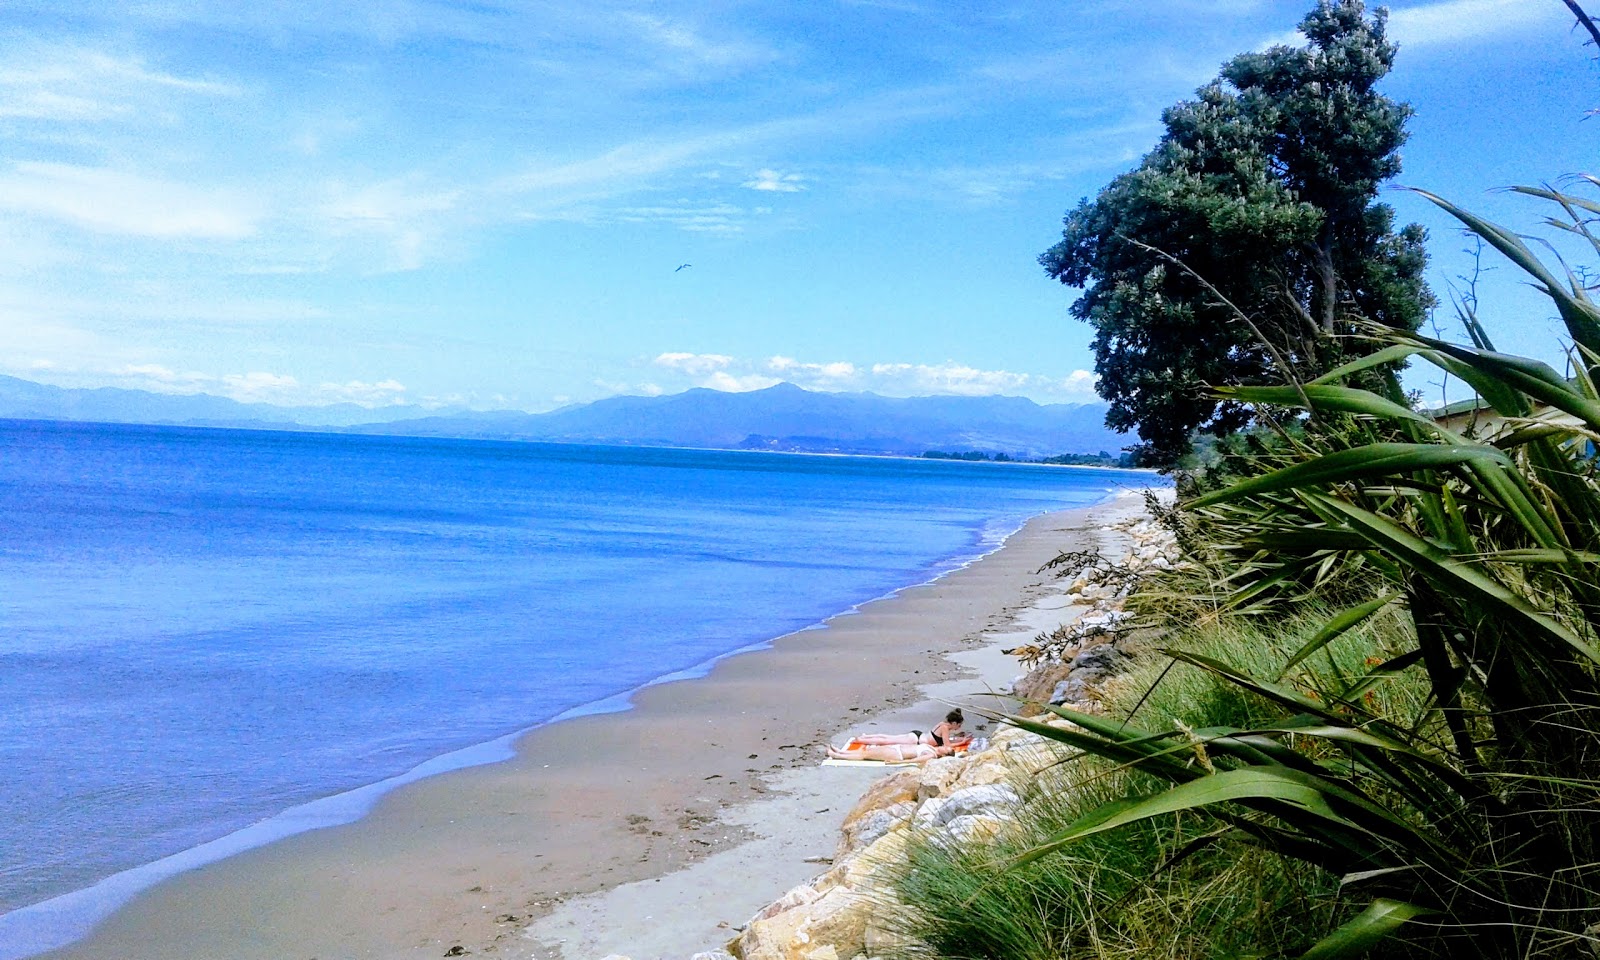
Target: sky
point(529, 203)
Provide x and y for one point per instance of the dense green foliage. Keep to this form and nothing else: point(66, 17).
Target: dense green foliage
point(1265, 186)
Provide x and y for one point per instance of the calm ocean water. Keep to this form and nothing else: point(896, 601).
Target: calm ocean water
point(200, 629)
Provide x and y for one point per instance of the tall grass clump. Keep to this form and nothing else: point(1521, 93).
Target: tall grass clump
point(1450, 783)
point(1169, 886)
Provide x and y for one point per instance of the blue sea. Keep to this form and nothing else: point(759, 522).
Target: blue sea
point(204, 632)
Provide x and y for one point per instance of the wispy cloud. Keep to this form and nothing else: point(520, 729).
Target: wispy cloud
point(404, 215)
point(78, 83)
point(1453, 22)
point(686, 215)
point(691, 46)
point(96, 367)
point(963, 380)
point(771, 181)
point(1466, 21)
point(260, 386)
point(121, 202)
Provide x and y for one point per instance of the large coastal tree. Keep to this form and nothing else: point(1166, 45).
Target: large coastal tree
point(1261, 193)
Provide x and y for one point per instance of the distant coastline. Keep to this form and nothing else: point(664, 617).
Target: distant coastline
point(301, 429)
point(779, 419)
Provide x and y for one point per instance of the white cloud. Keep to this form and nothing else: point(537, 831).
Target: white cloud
point(1080, 382)
point(161, 379)
point(390, 201)
point(728, 383)
point(1453, 22)
point(724, 372)
point(693, 364)
point(693, 217)
point(1460, 21)
point(260, 386)
point(951, 378)
point(645, 389)
point(257, 386)
point(963, 380)
point(379, 394)
point(690, 48)
point(771, 181)
point(119, 202)
point(814, 372)
point(402, 215)
point(66, 83)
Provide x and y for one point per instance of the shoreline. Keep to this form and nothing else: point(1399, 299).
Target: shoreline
point(66, 919)
point(646, 806)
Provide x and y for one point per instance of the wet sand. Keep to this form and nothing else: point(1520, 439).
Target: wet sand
point(578, 847)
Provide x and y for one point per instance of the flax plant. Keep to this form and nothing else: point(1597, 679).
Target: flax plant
point(1471, 827)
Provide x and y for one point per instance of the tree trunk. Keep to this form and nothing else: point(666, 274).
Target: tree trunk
point(1327, 283)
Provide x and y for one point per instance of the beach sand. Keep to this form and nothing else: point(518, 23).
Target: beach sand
point(651, 832)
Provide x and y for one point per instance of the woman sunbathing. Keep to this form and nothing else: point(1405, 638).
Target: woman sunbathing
point(890, 752)
point(945, 733)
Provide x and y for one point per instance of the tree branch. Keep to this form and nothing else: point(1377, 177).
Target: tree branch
point(1584, 20)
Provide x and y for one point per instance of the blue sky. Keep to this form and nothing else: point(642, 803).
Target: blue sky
point(485, 202)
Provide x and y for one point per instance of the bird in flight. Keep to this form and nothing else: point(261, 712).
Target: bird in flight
point(682, 265)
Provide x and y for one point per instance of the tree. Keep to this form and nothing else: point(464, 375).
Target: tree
point(1265, 186)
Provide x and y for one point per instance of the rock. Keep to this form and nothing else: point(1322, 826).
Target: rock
point(1074, 689)
point(938, 777)
point(833, 926)
point(864, 823)
point(997, 800)
point(991, 766)
point(859, 871)
point(713, 955)
point(868, 828)
point(1039, 681)
point(974, 828)
point(1102, 657)
point(797, 897)
point(772, 938)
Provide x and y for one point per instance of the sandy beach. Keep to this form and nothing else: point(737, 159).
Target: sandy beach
point(651, 832)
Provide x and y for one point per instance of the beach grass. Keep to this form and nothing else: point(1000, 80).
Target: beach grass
point(1166, 887)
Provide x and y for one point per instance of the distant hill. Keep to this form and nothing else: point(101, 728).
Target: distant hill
point(26, 400)
point(784, 417)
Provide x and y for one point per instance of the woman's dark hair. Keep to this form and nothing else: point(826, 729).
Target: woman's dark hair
point(955, 716)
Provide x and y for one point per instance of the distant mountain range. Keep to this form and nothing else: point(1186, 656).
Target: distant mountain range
point(784, 417)
point(26, 400)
